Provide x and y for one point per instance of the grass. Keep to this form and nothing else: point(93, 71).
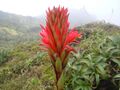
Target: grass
point(26, 69)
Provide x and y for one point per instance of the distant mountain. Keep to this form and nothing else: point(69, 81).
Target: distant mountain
point(80, 17)
point(17, 22)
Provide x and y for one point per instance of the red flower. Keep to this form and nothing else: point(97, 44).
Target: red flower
point(56, 37)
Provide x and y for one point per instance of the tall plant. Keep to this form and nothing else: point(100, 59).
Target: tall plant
point(57, 39)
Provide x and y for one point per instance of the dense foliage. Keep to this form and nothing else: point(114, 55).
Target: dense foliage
point(97, 62)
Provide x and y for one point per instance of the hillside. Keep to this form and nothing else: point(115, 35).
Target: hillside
point(25, 67)
point(17, 28)
point(17, 22)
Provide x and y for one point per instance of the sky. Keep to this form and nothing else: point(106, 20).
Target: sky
point(102, 9)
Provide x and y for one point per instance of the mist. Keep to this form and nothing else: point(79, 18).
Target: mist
point(81, 12)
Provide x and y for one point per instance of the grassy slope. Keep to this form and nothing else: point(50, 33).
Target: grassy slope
point(28, 68)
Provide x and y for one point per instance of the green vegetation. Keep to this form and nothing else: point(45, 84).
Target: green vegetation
point(26, 69)
point(16, 28)
point(96, 66)
point(3, 56)
point(98, 60)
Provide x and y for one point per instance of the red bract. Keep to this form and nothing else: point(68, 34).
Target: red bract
point(56, 37)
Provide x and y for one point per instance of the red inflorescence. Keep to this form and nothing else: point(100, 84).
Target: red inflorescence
point(56, 36)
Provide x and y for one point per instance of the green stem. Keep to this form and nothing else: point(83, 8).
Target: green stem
point(60, 81)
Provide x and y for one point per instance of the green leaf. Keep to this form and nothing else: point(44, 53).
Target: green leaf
point(115, 39)
point(85, 62)
point(61, 82)
point(117, 76)
point(97, 78)
point(116, 61)
point(99, 59)
point(101, 70)
point(58, 65)
point(115, 52)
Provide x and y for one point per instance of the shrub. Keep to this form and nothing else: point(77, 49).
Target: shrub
point(100, 63)
point(3, 56)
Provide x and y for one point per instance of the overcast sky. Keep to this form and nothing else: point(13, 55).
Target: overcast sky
point(103, 9)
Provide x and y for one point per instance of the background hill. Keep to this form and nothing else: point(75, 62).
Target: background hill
point(15, 28)
point(17, 22)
